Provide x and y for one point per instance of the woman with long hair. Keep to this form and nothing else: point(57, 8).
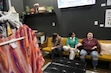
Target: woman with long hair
point(56, 45)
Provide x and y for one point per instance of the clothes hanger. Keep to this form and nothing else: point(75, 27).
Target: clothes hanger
point(10, 18)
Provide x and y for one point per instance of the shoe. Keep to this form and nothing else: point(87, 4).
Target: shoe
point(52, 58)
point(94, 69)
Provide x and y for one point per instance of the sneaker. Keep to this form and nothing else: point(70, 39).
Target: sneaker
point(94, 68)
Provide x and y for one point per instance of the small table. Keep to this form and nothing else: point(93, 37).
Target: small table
point(64, 66)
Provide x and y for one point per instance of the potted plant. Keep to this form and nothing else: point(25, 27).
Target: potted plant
point(49, 8)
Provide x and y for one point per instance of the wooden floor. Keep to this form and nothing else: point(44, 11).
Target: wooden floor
point(103, 67)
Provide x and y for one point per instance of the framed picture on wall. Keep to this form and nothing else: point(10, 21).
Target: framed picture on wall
point(108, 2)
point(108, 18)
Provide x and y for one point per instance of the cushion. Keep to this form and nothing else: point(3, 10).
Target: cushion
point(48, 49)
point(105, 57)
point(105, 48)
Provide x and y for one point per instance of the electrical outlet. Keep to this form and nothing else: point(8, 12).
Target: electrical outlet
point(53, 24)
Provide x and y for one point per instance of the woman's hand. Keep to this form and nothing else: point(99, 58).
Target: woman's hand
point(94, 47)
point(74, 48)
point(79, 44)
point(53, 48)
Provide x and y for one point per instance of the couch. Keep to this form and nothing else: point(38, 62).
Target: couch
point(46, 46)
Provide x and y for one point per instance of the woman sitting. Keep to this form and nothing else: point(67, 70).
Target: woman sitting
point(90, 46)
point(70, 47)
point(57, 47)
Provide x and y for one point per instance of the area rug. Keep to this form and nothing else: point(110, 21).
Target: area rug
point(88, 71)
point(44, 67)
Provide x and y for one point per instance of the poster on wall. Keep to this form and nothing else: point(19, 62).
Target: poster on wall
point(108, 2)
point(108, 18)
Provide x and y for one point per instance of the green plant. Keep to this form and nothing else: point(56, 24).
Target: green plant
point(49, 8)
point(27, 9)
point(22, 14)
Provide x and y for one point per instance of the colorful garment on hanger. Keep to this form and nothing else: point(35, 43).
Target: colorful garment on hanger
point(23, 56)
point(9, 30)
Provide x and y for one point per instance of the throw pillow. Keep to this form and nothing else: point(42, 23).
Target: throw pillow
point(105, 48)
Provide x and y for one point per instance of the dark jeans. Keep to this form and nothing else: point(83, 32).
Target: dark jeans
point(56, 50)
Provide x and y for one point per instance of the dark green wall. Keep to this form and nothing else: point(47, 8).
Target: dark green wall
point(77, 19)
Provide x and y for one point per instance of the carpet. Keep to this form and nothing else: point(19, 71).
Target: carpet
point(88, 71)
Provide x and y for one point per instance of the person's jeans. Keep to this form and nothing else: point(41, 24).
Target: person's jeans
point(72, 52)
point(93, 54)
point(55, 50)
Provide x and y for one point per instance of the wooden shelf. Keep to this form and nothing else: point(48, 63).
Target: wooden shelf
point(42, 14)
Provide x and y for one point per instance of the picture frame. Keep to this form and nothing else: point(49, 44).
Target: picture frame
point(108, 18)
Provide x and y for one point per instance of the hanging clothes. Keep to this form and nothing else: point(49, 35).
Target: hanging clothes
point(22, 56)
point(9, 30)
point(3, 30)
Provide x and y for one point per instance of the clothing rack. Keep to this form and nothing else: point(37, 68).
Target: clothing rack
point(15, 50)
point(11, 41)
